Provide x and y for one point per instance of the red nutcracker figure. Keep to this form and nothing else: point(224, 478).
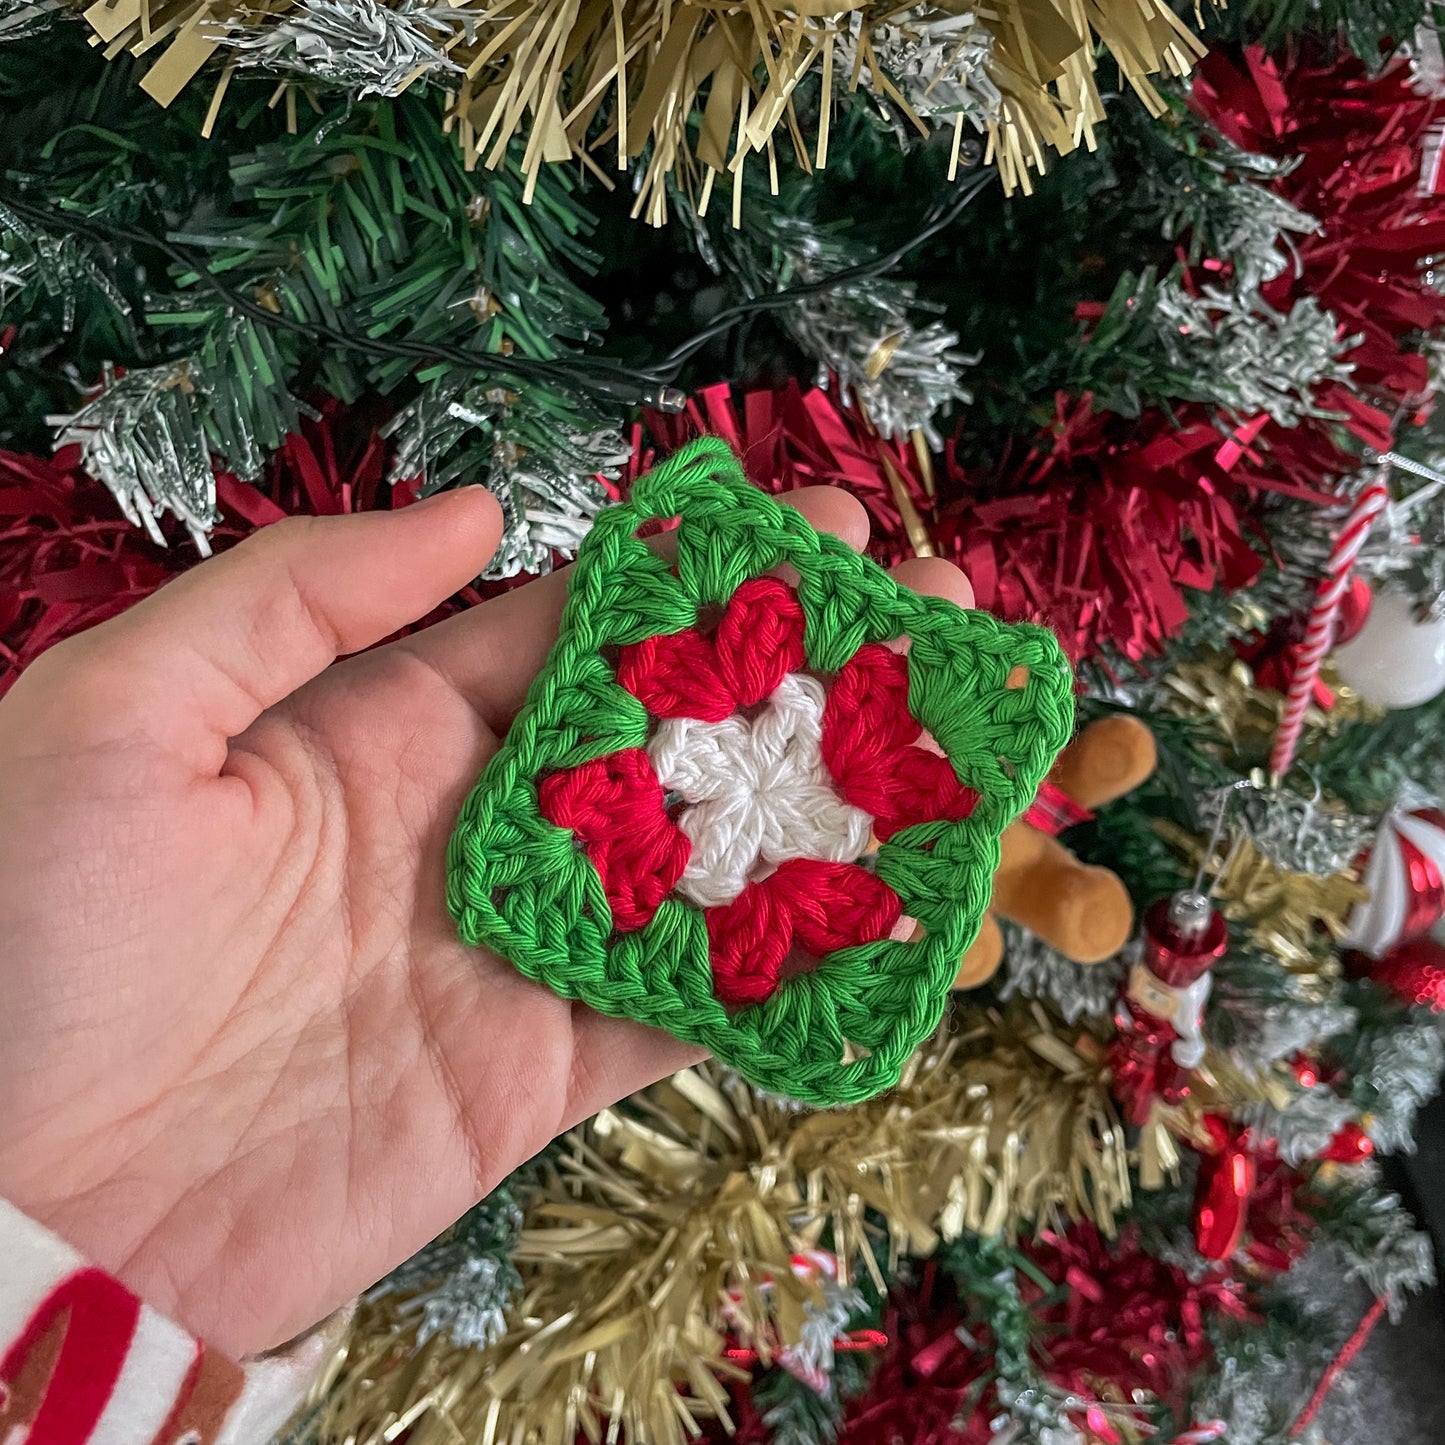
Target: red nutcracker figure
point(1161, 1024)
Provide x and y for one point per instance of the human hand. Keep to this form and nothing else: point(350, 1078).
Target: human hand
point(245, 1064)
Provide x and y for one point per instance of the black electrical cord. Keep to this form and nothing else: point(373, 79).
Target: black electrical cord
point(653, 386)
point(942, 218)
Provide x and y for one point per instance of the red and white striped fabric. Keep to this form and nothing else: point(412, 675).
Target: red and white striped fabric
point(83, 1361)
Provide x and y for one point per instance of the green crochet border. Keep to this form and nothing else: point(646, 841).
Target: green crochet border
point(519, 886)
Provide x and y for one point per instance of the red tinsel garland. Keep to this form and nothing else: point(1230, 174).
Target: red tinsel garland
point(795, 437)
point(1101, 526)
point(1357, 143)
point(1117, 1328)
point(68, 559)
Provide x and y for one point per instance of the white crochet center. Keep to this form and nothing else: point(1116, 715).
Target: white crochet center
point(757, 792)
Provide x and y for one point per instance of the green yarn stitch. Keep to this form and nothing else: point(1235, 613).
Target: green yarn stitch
point(521, 887)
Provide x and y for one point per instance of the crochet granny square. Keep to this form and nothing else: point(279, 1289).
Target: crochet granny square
point(755, 794)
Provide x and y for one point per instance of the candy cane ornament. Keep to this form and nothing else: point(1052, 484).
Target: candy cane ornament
point(1320, 632)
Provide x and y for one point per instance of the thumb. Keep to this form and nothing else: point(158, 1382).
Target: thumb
point(196, 663)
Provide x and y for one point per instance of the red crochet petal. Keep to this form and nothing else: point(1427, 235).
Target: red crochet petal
point(925, 790)
point(865, 721)
point(821, 906)
point(676, 676)
point(760, 639)
point(868, 746)
point(748, 940)
point(616, 808)
point(835, 905)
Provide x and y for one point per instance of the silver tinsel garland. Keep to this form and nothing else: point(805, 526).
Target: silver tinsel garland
point(902, 371)
point(1395, 1071)
point(1406, 546)
point(824, 1324)
point(19, 18)
point(363, 45)
point(1394, 1257)
point(1297, 833)
point(61, 265)
point(1302, 1130)
point(1263, 1024)
point(144, 437)
point(1238, 217)
point(1262, 1381)
point(936, 59)
point(1031, 969)
point(1247, 356)
point(463, 1283)
point(544, 471)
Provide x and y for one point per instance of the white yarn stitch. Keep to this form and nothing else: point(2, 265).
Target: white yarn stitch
point(758, 792)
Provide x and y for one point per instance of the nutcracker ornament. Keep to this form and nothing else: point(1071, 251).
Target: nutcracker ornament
point(1160, 1039)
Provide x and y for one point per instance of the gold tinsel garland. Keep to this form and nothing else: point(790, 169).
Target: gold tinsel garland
point(1295, 917)
point(1222, 689)
point(671, 1223)
point(550, 69)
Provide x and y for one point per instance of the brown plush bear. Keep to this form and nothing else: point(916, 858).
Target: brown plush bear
point(1083, 912)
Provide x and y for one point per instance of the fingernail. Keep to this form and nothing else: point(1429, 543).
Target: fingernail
point(421, 502)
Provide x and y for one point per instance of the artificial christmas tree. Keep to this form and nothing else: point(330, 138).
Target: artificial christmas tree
point(1157, 368)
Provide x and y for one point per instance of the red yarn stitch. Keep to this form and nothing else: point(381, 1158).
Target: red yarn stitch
point(616, 808)
point(676, 676)
point(835, 905)
point(821, 906)
point(748, 941)
point(760, 639)
point(758, 642)
point(868, 745)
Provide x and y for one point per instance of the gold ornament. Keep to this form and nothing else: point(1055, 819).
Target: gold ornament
point(1222, 688)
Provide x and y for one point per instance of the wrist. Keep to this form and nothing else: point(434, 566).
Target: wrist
point(80, 1349)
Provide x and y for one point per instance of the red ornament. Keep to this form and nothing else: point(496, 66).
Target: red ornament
point(1351, 1145)
point(1354, 610)
point(1405, 875)
point(1305, 1070)
point(1221, 1197)
point(1414, 972)
point(1184, 937)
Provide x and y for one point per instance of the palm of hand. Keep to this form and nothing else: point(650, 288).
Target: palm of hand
point(244, 1062)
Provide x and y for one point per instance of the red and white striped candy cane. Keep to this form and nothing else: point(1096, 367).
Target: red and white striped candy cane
point(1321, 629)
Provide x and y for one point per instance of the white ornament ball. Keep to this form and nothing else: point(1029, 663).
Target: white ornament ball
point(1394, 661)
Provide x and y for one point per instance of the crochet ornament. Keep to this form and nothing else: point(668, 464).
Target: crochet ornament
point(755, 794)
